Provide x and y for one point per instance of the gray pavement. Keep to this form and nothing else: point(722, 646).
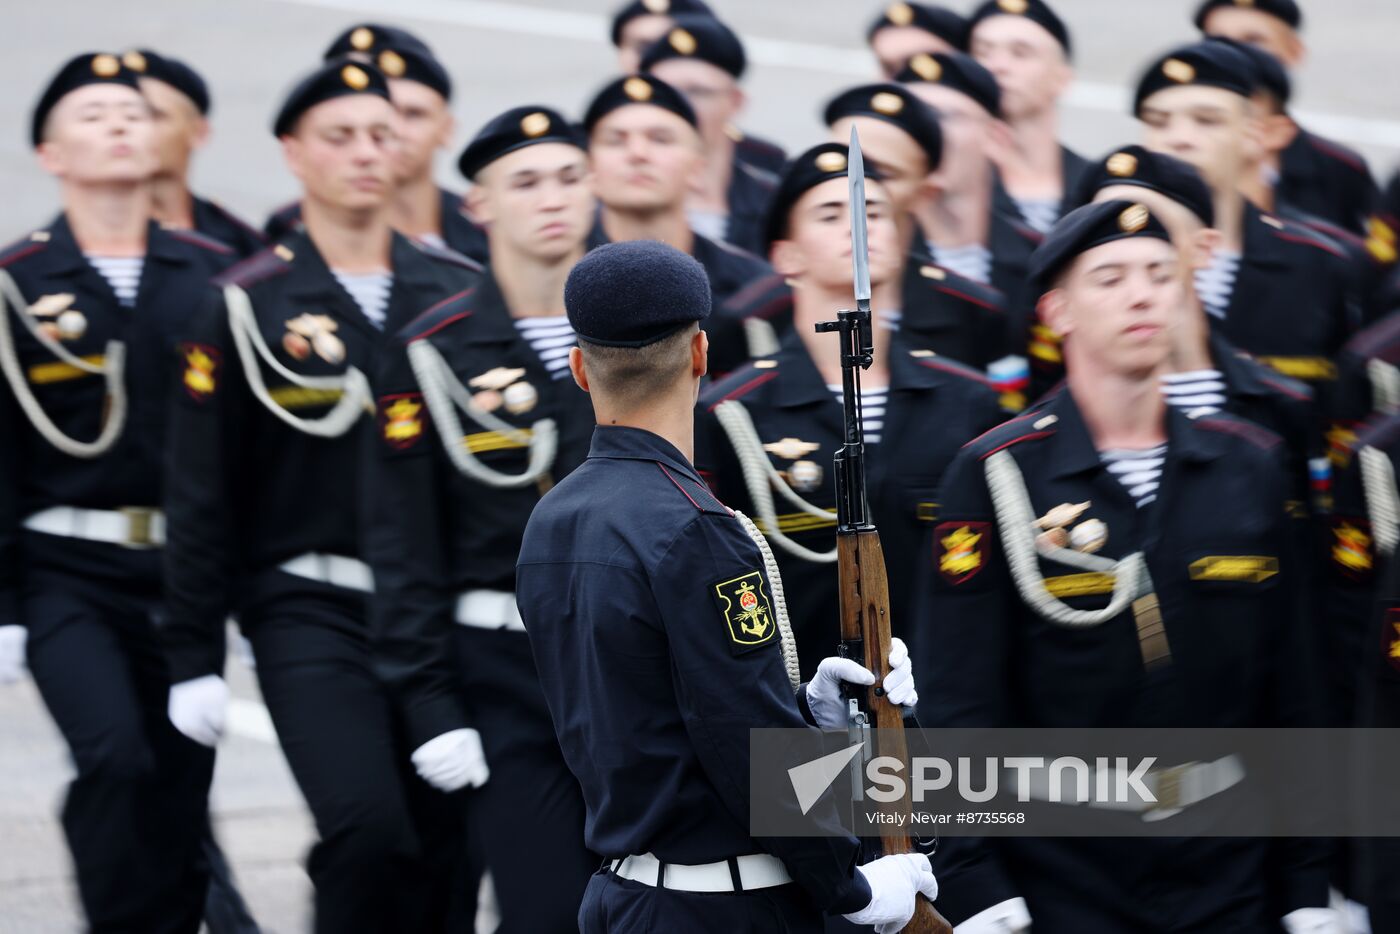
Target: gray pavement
point(502, 54)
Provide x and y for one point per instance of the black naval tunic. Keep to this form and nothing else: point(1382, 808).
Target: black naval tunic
point(1072, 166)
point(135, 813)
point(1328, 180)
point(1217, 549)
point(247, 493)
point(750, 190)
point(214, 220)
point(955, 316)
point(433, 536)
point(653, 689)
point(934, 407)
point(459, 232)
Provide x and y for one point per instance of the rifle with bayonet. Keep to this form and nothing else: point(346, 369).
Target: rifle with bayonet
point(863, 596)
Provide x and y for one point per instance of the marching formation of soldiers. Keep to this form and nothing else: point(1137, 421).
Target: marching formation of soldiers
point(1132, 423)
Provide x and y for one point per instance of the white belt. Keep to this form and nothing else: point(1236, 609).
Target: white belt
point(337, 570)
point(755, 871)
point(131, 527)
point(489, 609)
point(1176, 787)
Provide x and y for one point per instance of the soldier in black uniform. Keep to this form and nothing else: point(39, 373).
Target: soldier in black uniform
point(268, 429)
point(453, 490)
point(180, 101)
point(652, 622)
point(903, 30)
point(1317, 175)
point(91, 309)
point(1273, 288)
point(1206, 373)
point(1205, 631)
point(704, 60)
point(422, 92)
point(644, 146)
point(935, 307)
point(767, 432)
point(1027, 48)
point(639, 24)
point(1364, 611)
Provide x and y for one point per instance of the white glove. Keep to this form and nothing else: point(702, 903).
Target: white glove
point(824, 690)
point(1314, 921)
point(1008, 917)
point(197, 708)
point(452, 761)
point(12, 639)
point(895, 884)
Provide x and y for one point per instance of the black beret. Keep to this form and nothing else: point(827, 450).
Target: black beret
point(635, 293)
point(957, 71)
point(1207, 63)
point(939, 21)
point(515, 129)
point(805, 172)
point(1155, 171)
point(638, 89)
point(1085, 228)
point(333, 79)
point(1034, 10)
point(173, 72)
point(77, 72)
point(397, 52)
point(893, 104)
point(1269, 74)
point(700, 37)
point(640, 8)
point(1285, 10)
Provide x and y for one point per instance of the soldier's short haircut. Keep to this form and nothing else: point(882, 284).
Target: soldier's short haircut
point(631, 375)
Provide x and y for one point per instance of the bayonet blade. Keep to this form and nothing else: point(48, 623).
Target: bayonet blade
point(860, 257)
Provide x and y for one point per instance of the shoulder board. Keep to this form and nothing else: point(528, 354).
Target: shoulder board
point(201, 240)
point(929, 360)
point(948, 282)
point(451, 257)
point(1379, 431)
point(235, 220)
point(733, 250)
point(1338, 153)
point(763, 298)
point(1225, 423)
point(1294, 232)
point(1285, 385)
point(28, 246)
point(262, 265)
point(1030, 426)
point(698, 494)
point(1333, 232)
point(760, 175)
point(446, 312)
point(740, 383)
point(1378, 340)
point(1026, 230)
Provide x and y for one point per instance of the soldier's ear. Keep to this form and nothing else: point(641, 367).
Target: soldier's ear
point(201, 132)
point(787, 258)
point(699, 355)
point(1054, 312)
point(50, 158)
point(1279, 132)
point(477, 207)
point(576, 368)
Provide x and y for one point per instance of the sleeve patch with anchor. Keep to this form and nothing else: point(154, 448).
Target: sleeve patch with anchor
point(748, 613)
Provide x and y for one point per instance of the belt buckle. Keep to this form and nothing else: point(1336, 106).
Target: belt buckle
point(1168, 791)
point(139, 520)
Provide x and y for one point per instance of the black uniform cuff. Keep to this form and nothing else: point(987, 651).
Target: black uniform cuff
point(430, 719)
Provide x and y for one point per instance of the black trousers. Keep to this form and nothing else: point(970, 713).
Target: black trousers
point(532, 803)
point(389, 845)
point(136, 811)
point(621, 906)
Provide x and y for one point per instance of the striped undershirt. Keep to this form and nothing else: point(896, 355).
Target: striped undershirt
point(1216, 283)
point(123, 274)
point(872, 409)
point(712, 225)
point(971, 262)
point(1040, 213)
point(370, 291)
point(1195, 392)
point(550, 338)
point(1140, 471)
